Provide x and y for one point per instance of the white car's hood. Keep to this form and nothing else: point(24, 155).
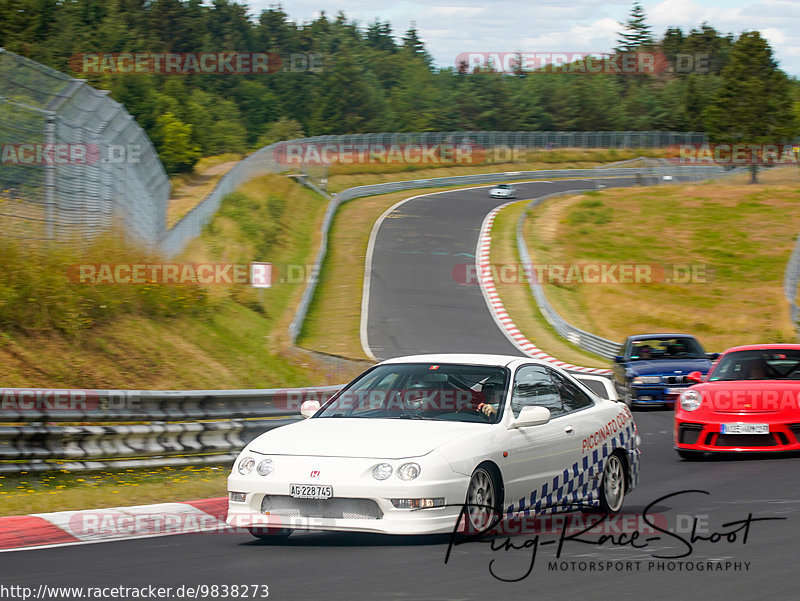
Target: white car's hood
point(354, 437)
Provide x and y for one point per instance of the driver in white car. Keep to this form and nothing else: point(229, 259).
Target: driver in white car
point(493, 393)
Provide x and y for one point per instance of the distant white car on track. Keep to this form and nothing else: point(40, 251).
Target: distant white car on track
point(423, 444)
point(503, 191)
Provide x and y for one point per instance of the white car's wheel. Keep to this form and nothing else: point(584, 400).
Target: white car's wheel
point(612, 487)
point(270, 533)
point(483, 500)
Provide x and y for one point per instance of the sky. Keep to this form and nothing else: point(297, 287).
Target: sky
point(451, 27)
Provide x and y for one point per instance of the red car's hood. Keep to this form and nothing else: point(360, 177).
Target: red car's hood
point(751, 396)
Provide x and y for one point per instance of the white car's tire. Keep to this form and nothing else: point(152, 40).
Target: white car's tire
point(613, 485)
point(484, 499)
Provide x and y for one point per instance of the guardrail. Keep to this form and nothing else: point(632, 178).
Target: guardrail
point(791, 279)
point(84, 430)
point(81, 430)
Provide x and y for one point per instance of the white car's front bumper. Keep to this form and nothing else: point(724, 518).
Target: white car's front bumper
point(359, 503)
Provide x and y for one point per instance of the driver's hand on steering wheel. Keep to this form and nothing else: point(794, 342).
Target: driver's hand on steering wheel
point(487, 409)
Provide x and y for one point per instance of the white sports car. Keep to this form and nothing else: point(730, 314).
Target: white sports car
point(503, 191)
point(417, 445)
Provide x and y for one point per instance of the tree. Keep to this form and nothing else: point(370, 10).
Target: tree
point(345, 100)
point(379, 36)
point(753, 104)
point(176, 149)
point(283, 129)
point(636, 34)
point(412, 43)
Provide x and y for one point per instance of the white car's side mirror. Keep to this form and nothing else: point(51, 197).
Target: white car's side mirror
point(531, 416)
point(309, 408)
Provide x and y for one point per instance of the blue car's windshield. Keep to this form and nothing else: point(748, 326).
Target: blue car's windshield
point(647, 349)
point(422, 391)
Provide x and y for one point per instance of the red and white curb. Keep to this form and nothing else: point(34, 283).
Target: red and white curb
point(498, 311)
point(64, 528)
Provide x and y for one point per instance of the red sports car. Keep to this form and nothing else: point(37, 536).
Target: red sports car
point(747, 402)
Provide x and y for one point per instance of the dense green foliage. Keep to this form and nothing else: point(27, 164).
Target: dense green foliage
point(368, 81)
point(753, 104)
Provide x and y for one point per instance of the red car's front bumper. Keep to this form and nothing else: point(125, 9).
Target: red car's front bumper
point(704, 433)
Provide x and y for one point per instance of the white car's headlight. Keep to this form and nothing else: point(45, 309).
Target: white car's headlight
point(265, 467)
point(246, 465)
point(647, 380)
point(382, 471)
point(690, 400)
point(408, 471)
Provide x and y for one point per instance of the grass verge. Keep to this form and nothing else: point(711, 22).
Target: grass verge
point(60, 334)
point(26, 493)
point(716, 252)
point(188, 189)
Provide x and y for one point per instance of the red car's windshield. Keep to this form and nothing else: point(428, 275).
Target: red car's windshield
point(775, 364)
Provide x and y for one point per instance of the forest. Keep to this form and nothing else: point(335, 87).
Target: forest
point(353, 77)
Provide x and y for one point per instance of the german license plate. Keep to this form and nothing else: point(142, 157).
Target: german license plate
point(311, 491)
point(675, 390)
point(745, 429)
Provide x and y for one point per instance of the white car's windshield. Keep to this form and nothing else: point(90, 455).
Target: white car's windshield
point(423, 391)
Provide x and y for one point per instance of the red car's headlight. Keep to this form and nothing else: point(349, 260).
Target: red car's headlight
point(690, 400)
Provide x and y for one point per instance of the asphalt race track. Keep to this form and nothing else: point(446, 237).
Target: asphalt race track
point(415, 303)
point(416, 307)
point(312, 566)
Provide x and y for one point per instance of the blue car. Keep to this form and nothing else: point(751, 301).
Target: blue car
point(652, 368)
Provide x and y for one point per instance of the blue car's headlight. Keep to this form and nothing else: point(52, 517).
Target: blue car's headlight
point(639, 380)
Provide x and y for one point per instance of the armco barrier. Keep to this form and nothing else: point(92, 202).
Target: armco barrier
point(37, 441)
point(791, 277)
point(78, 430)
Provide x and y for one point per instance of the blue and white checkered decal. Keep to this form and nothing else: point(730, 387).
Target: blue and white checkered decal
point(580, 484)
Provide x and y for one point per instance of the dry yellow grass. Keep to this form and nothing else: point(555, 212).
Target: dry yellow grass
point(189, 189)
point(737, 236)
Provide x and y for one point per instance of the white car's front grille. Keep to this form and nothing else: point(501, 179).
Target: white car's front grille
point(343, 509)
